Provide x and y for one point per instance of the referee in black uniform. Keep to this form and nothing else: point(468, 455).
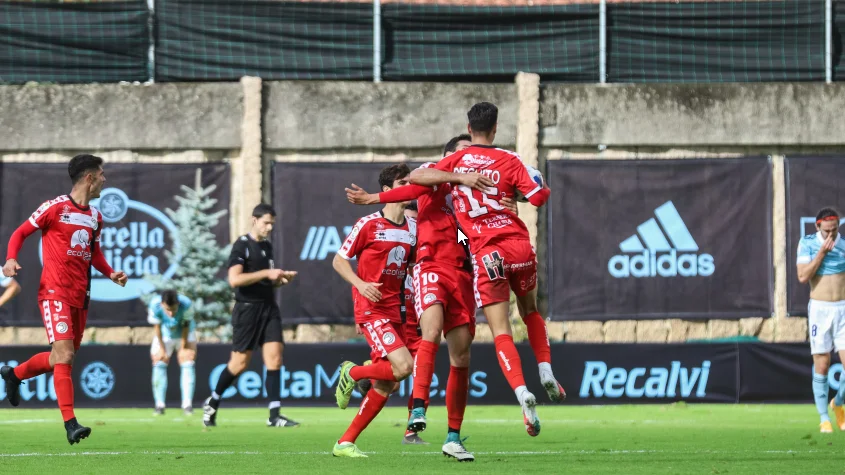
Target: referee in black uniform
point(256, 320)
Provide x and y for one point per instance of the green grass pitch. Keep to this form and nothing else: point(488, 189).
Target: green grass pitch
point(678, 438)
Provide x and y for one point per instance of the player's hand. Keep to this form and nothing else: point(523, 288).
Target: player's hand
point(274, 275)
point(510, 205)
point(162, 355)
point(476, 181)
point(357, 196)
point(827, 245)
point(287, 276)
point(358, 330)
point(370, 291)
point(11, 268)
point(119, 278)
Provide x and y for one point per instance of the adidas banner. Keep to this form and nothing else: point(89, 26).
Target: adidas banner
point(136, 238)
point(654, 239)
point(313, 220)
point(119, 375)
point(812, 183)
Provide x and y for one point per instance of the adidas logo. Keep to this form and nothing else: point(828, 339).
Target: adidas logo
point(322, 241)
point(658, 256)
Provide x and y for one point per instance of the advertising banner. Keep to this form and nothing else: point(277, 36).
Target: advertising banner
point(136, 234)
point(313, 220)
point(812, 183)
point(119, 376)
point(654, 239)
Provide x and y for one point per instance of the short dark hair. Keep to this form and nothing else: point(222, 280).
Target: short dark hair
point(412, 206)
point(827, 212)
point(81, 165)
point(263, 209)
point(452, 145)
point(169, 298)
point(483, 117)
point(392, 173)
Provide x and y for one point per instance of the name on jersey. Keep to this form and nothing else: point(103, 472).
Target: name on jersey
point(491, 174)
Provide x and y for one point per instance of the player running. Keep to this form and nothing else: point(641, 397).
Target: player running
point(382, 243)
point(12, 287)
point(443, 297)
point(174, 327)
point(503, 258)
point(821, 262)
point(70, 230)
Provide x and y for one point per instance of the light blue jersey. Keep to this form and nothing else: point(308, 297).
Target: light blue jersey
point(5, 281)
point(834, 261)
point(171, 327)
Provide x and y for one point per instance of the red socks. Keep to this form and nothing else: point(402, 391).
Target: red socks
point(64, 390)
point(538, 336)
point(424, 369)
point(509, 361)
point(35, 366)
point(381, 371)
point(456, 396)
point(370, 407)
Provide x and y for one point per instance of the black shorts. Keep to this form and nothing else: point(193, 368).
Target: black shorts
point(255, 323)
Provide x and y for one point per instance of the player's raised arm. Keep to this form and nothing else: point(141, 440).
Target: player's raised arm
point(358, 196)
point(535, 194)
point(433, 177)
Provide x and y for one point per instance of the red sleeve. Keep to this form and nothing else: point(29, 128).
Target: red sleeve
point(98, 259)
point(17, 239)
point(403, 193)
point(447, 164)
point(522, 180)
point(540, 197)
point(44, 215)
point(356, 241)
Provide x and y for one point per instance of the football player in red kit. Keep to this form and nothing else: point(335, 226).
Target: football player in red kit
point(503, 258)
point(70, 230)
point(382, 242)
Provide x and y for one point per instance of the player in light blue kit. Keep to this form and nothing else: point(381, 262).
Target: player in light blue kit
point(821, 262)
point(173, 320)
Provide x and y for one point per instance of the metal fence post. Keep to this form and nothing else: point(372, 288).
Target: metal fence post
point(376, 41)
point(603, 41)
point(828, 41)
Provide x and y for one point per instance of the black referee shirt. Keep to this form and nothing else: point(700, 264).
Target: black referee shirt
point(254, 256)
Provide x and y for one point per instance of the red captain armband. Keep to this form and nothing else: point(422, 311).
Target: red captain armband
point(827, 218)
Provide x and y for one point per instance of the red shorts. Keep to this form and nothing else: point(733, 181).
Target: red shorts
point(448, 286)
point(501, 267)
point(384, 338)
point(63, 322)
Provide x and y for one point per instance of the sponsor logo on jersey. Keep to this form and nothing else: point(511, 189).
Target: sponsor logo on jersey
point(477, 161)
point(61, 327)
point(659, 257)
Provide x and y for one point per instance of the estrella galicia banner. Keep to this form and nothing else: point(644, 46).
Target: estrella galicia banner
point(653, 239)
point(812, 183)
point(136, 234)
point(119, 376)
point(313, 220)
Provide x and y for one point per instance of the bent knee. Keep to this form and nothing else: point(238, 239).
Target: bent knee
point(403, 369)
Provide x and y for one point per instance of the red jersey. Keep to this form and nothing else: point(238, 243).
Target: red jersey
point(480, 215)
point(382, 248)
point(437, 236)
point(70, 233)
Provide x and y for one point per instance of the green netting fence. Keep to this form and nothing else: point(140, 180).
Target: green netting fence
point(223, 40)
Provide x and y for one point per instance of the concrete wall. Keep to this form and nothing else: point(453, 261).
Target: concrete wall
point(251, 125)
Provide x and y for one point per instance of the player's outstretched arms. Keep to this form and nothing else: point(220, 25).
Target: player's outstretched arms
point(432, 177)
point(403, 193)
point(368, 289)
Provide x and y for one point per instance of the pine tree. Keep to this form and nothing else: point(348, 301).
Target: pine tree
point(200, 259)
